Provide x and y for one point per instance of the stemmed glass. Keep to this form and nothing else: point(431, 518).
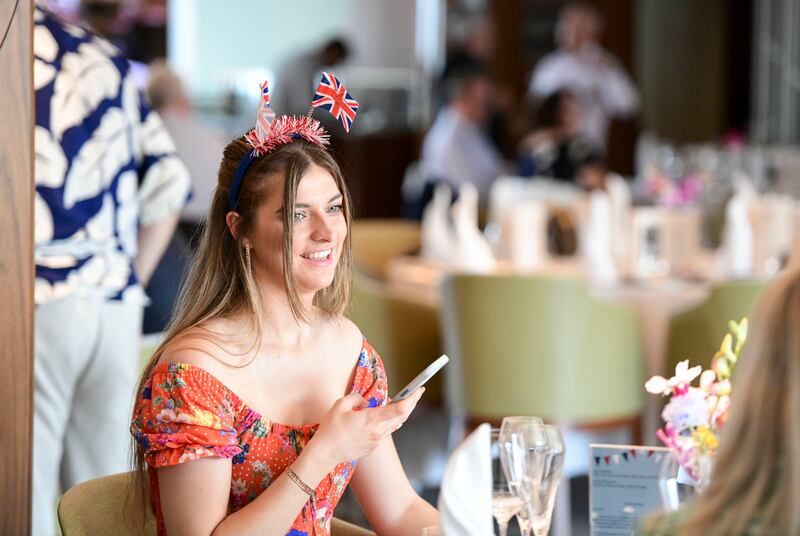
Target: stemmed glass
point(505, 504)
point(514, 464)
point(550, 465)
point(542, 464)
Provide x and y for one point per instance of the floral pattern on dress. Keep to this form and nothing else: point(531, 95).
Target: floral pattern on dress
point(184, 413)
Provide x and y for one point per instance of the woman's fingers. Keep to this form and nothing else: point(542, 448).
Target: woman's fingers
point(398, 413)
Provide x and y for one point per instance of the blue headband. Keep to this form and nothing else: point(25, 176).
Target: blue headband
point(244, 163)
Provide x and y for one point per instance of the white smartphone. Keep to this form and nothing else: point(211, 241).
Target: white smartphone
point(421, 378)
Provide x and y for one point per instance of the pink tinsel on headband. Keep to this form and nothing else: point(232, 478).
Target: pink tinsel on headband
point(286, 129)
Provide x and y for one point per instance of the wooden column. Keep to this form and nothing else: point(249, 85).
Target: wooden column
point(16, 264)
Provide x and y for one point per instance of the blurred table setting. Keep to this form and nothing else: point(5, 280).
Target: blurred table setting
point(651, 255)
point(511, 472)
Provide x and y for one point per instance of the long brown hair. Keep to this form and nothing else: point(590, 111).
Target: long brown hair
point(755, 482)
point(219, 283)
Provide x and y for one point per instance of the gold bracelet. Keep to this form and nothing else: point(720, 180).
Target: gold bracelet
point(308, 490)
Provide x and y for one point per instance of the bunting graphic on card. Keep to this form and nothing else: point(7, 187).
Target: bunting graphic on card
point(332, 96)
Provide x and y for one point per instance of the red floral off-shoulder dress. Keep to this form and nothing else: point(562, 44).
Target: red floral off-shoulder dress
point(184, 413)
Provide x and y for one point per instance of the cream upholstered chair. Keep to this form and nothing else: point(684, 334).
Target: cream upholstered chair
point(696, 333)
point(406, 333)
point(376, 241)
point(534, 345)
point(98, 507)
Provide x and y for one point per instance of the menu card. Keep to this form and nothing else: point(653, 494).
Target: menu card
point(623, 487)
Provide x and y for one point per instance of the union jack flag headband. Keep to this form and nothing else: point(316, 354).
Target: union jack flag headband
point(270, 133)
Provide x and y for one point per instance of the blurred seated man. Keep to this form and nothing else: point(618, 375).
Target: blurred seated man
point(581, 66)
point(557, 149)
point(457, 148)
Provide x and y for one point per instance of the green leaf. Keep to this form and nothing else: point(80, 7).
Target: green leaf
point(733, 327)
point(723, 369)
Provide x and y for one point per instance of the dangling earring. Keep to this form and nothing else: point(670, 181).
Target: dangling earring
point(247, 259)
point(249, 270)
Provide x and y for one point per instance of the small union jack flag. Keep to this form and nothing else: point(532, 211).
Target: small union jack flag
point(265, 113)
point(332, 96)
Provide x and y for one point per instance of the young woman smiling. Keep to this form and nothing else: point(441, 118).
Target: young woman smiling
point(264, 401)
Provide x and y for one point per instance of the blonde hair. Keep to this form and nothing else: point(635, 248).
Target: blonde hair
point(756, 476)
point(219, 283)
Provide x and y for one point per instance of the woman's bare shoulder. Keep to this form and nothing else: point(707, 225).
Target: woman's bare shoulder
point(210, 346)
point(346, 338)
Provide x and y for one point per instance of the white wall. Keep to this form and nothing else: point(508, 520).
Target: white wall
point(214, 42)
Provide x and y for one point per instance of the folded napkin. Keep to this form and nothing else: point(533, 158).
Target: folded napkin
point(471, 251)
point(436, 236)
point(619, 196)
point(794, 255)
point(525, 234)
point(736, 251)
point(465, 499)
point(772, 219)
point(595, 239)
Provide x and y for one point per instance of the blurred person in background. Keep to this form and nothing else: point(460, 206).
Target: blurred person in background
point(472, 44)
point(557, 149)
point(457, 148)
point(584, 68)
point(104, 18)
point(296, 79)
point(755, 480)
point(112, 20)
point(109, 187)
point(199, 146)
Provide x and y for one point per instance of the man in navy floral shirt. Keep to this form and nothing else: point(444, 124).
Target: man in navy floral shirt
point(109, 188)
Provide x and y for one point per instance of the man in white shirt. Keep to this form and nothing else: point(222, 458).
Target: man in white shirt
point(582, 67)
point(456, 148)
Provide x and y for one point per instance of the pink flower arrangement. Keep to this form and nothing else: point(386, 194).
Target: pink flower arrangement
point(695, 416)
point(669, 192)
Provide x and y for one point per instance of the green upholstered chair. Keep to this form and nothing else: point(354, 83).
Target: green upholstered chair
point(696, 333)
point(97, 508)
point(376, 241)
point(532, 345)
point(405, 333)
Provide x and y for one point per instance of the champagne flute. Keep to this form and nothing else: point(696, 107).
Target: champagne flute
point(504, 503)
point(515, 464)
point(548, 463)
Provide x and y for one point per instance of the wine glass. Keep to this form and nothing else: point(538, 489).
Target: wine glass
point(547, 463)
point(515, 465)
point(504, 503)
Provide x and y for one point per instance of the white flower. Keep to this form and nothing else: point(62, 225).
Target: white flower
point(688, 410)
point(707, 379)
point(658, 385)
point(684, 374)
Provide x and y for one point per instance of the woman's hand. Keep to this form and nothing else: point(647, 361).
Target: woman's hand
point(350, 430)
